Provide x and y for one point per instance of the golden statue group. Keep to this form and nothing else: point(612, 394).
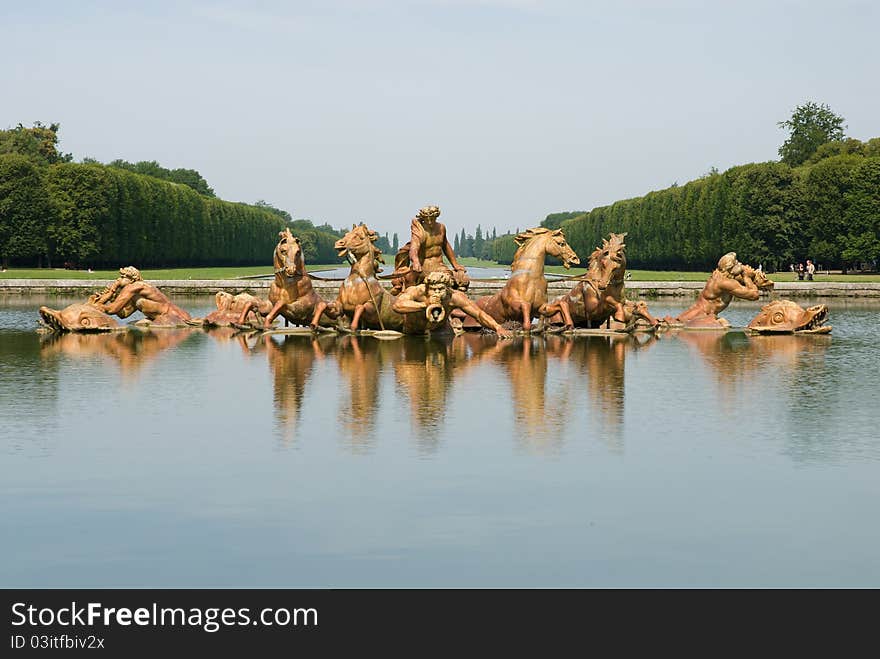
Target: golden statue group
point(427, 295)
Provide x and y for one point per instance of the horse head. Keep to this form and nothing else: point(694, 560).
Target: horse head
point(639, 310)
point(608, 263)
point(358, 243)
point(288, 258)
point(552, 242)
point(558, 247)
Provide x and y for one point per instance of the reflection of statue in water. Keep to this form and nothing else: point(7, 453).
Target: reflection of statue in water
point(426, 307)
point(729, 280)
point(131, 350)
point(600, 365)
point(538, 418)
point(424, 252)
point(130, 293)
point(360, 363)
point(736, 361)
point(424, 373)
point(291, 361)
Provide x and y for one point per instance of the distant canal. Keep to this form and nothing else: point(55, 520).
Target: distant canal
point(184, 458)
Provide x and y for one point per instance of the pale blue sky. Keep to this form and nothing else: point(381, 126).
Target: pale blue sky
point(498, 111)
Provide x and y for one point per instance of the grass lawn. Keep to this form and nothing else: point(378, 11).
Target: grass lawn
point(470, 262)
point(671, 275)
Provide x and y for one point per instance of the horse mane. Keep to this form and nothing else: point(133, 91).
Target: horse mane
point(614, 244)
point(523, 238)
point(373, 237)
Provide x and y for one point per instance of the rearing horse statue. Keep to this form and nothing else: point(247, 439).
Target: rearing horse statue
point(291, 293)
point(361, 297)
point(525, 293)
point(599, 295)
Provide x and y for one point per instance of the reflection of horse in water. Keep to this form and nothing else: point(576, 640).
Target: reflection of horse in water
point(291, 360)
point(361, 362)
point(599, 364)
point(524, 295)
point(545, 408)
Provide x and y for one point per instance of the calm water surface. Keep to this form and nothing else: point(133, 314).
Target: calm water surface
point(182, 458)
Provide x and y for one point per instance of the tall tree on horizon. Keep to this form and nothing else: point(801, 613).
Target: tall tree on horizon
point(811, 125)
point(477, 247)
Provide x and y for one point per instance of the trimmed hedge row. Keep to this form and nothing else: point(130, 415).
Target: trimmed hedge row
point(768, 213)
point(91, 214)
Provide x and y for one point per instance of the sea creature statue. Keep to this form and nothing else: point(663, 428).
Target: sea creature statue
point(428, 307)
point(130, 293)
point(125, 296)
point(525, 293)
point(424, 253)
point(291, 294)
point(729, 280)
point(78, 317)
point(361, 299)
point(230, 309)
point(787, 317)
point(599, 295)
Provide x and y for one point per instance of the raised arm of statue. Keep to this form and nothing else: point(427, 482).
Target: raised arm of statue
point(123, 305)
point(415, 244)
point(746, 291)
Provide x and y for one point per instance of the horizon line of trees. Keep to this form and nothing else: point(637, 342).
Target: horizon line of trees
point(55, 211)
point(774, 214)
point(821, 200)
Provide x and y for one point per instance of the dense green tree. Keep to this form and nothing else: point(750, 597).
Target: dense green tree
point(384, 244)
point(849, 146)
point(555, 220)
point(25, 210)
point(503, 249)
point(477, 244)
point(262, 203)
point(863, 214)
point(811, 125)
point(188, 177)
point(39, 143)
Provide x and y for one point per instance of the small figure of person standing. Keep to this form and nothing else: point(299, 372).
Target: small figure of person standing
point(811, 269)
point(800, 271)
